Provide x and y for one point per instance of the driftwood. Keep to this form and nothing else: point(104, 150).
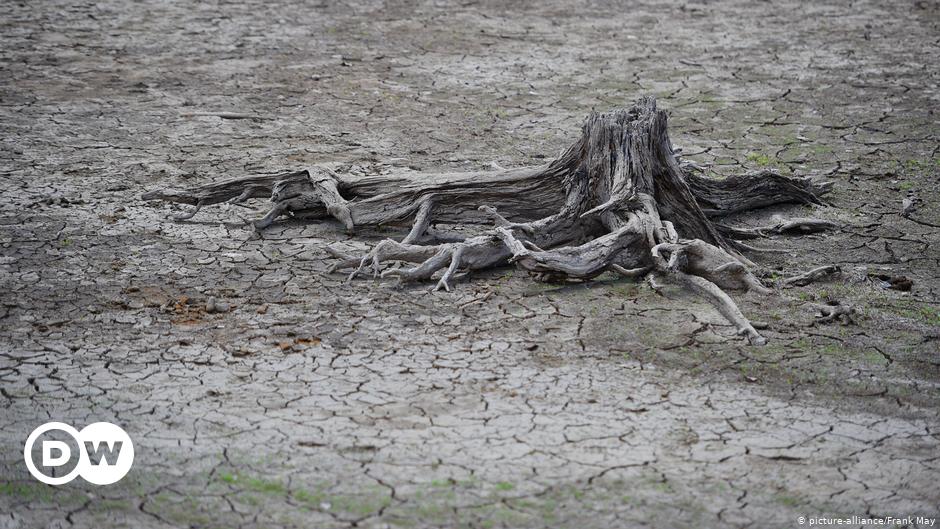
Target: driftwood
point(833, 311)
point(811, 276)
point(618, 199)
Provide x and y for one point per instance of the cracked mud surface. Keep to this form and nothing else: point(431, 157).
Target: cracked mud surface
point(302, 401)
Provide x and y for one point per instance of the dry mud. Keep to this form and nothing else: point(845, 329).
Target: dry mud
point(302, 401)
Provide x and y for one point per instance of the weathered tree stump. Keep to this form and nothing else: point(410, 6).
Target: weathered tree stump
point(617, 199)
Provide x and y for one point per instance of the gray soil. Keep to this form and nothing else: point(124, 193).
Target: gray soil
point(303, 401)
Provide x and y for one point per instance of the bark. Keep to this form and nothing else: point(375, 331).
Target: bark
point(616, 199)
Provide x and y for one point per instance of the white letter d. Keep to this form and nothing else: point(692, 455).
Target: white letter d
point(63, 456)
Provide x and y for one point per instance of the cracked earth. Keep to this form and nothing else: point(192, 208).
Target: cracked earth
point(261, 391)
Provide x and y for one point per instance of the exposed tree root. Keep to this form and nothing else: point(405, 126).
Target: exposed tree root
point(685, 265)
point(781, 226)
point(811, 276)
point(719, 198)
point(617, 200)
point(833, 311)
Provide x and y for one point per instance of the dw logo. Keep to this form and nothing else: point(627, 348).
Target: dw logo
point(102, 453)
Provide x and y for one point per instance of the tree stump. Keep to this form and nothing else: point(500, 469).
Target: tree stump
point(618, 199)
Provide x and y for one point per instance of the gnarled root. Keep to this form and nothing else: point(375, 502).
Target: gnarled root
point(798, 225)
point(316, 192)
point(712, 263)
point(581, 262)
point(476, 253)
point(734, 194)
point(811, 276)
point(679, 267)
point(833, 311)
point(387, 250)
point(449, 255)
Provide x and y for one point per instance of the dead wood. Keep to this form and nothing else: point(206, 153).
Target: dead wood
point(616, 200)
point(801, 280)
